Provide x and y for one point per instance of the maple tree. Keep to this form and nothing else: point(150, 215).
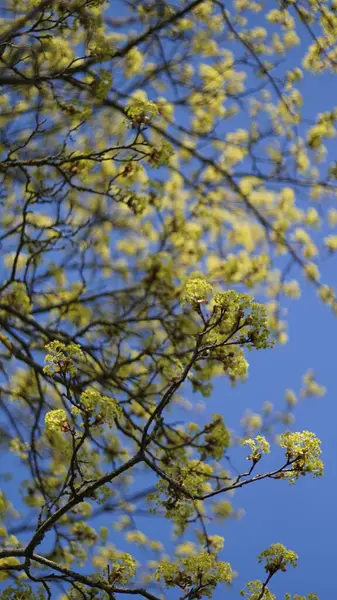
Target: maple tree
point(160, 182)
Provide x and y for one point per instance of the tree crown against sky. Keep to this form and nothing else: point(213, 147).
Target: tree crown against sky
point(165, 187)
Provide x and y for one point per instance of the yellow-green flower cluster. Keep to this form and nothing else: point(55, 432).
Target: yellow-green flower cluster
point(11, 561)
point(235, 306)
point(233, 322)
point(254, 589)
point(311, 387)
point(223, 509)
point(160, 155)
point(258, 446)
point(84, 533)
point(198, 571)
point(140, 539)
point(133, 62)
point(56, 420)
point(22, 591)
point(303, 450)
point(100, 409)
point(238, 268)
point(251, 421)
point(17, 298)
point(84, 509)
point(122, 564)
point(186, 549)
point(141, 112)
point(215, 543)
point(103, 84)
point(3, 504)
point(19, 448)
point(277, 558)
point(195, 292)
point(191, 479)
point(217, 437)
point(60, 358)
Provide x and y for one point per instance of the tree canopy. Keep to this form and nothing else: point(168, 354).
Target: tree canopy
point(164, 187)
